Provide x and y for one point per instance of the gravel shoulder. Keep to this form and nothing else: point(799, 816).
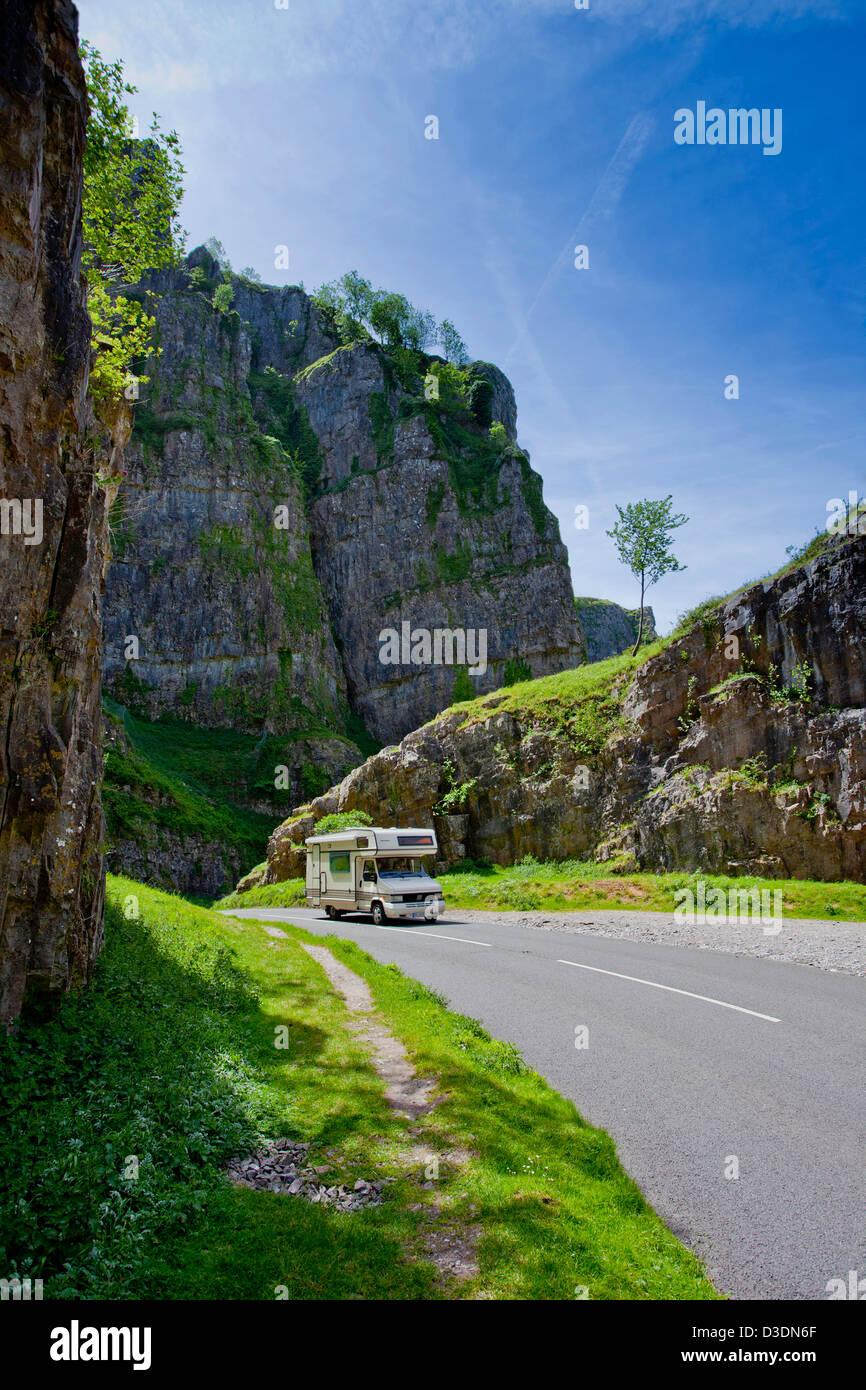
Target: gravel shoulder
point(839, 947)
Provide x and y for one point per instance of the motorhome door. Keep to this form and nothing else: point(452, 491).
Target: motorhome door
point(314, 891)
point(367, 885)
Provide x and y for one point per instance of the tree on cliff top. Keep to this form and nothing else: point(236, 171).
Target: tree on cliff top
point(643, 538)
point(132, 193)
point(357, 311)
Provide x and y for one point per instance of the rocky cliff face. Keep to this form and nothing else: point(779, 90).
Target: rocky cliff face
point(421, 525)
point(213, 611)
point(395, 510)
point(740, 747)
point(54, 457)
point(608, 629)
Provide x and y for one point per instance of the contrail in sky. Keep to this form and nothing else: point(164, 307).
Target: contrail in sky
point(602, 204)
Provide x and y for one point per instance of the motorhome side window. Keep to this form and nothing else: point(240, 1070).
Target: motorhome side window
point(339, 862)
point(369, 871)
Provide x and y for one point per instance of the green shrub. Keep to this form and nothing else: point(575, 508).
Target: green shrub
point(342, 820)
point(517, 898)
point(455, 798)
point(481, 401)
point(433, 506)
point(381, 426)
point(314, 781)
point(463, 687)
point(223, 297)
point(453, 567)
point(516, 670)
point(454, 388)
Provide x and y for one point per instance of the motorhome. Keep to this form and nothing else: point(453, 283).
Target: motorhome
point(376, 870)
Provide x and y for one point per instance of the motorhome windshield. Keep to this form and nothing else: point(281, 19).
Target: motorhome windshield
point(401, 866)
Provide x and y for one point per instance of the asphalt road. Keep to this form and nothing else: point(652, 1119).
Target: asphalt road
point(695, 1058)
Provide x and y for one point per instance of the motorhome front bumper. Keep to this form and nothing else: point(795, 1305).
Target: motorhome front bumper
point(417, 911)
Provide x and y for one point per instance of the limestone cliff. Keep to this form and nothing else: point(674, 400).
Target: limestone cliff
point(395, 509)
point(739, 746)
point(608, 629)
point(56, 460)
point(421, 521)
point(212, 572)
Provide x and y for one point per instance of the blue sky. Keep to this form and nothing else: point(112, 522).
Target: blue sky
point(305, 127)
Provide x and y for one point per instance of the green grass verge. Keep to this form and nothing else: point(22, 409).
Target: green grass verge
point(575, 885)
point(290, 893)
point(170, 1058)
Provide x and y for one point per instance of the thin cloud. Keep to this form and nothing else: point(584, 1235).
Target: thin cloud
point(669, 15)
point(208, 44)
point(602, 205)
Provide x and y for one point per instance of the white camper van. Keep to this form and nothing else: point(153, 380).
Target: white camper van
point(374, 870)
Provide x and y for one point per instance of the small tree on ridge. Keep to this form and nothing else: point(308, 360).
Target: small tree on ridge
point(643, 537)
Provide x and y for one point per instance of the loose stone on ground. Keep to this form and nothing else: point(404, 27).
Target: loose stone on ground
point(283, 1166)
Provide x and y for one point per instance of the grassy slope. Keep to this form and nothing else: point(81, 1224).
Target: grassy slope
point(182, 779)
point(583, 706)
point(199, 781)
point(171, 1057)
point(821, 542)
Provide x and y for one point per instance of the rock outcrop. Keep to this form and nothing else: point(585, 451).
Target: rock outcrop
point(394, 509)
point(608, 629)
point(57, 462)
point(739, 748)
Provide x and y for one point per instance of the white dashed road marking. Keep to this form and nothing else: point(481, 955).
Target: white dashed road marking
point(707, 999)
point(440, 936)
